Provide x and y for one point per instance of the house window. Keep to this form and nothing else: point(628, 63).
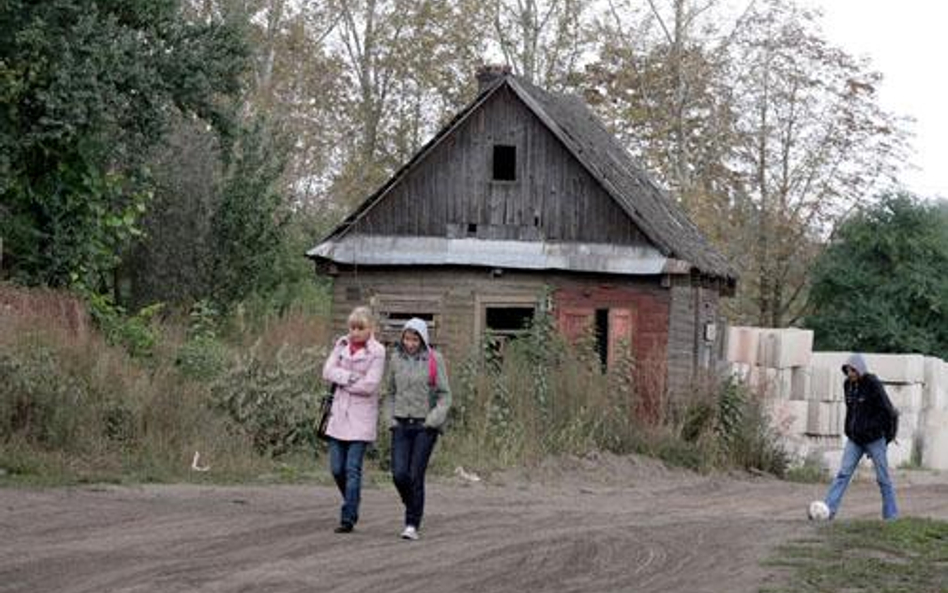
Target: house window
point(391, 324)
point(509, 321)
point(506, 323)
point(505, 162)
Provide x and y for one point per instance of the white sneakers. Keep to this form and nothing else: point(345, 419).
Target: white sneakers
point(410, 532)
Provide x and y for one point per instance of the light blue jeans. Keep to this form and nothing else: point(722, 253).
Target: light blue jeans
point(876, 450)
point(345, 463)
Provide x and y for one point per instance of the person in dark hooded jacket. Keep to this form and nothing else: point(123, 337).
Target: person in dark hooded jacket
point(870, 425)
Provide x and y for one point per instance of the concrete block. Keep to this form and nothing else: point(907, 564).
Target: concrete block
point(897, 368)
point(824, 418)
point(783, 383)
point(742, 344)
point(934, 441)
point(762, 380)
point(799, 383)
point(898, 454)
point(787, 348)
point(788, 417)
point(770, 383)
point(766, 343)
point(825, 384)
point(909, 424)
point(935, 392)
point(906, 397)
point(830, 360)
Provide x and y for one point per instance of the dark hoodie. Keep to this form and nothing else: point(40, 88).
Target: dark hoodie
point(870, 415)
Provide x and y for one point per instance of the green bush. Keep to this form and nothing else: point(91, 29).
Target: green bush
point(203, 358)
point(745, 434)
point(272, 400)
point(38, 402)
point(136, 333)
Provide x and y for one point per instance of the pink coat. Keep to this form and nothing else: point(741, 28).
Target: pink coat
point(355, 409)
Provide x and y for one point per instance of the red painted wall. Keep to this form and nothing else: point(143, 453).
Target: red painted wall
point(643, 311)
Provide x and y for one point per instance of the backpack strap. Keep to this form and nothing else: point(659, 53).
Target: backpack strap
point(432, 380)
point(432, 369)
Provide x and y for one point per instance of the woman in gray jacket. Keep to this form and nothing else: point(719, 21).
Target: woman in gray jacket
point(417, 402)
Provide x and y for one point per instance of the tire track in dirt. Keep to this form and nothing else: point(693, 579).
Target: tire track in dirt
point(634, 527)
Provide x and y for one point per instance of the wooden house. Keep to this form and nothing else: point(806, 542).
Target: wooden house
point(524, 193)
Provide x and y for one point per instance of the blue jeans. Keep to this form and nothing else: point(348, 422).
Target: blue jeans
point(412, 445)
point(876, 450)
point(345, 463)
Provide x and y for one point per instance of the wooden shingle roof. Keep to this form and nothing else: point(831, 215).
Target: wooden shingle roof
point(649, 207)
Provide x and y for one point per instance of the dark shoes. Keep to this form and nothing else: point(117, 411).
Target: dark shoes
point(344, 528)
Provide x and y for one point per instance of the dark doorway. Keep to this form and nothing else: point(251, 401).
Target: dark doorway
point(602, 337)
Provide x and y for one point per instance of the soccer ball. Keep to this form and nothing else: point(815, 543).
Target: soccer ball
point(818, 511)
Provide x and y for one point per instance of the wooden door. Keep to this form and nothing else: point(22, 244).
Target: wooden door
point(620, 332)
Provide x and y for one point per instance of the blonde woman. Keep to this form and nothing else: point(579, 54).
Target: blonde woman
point(355, 366)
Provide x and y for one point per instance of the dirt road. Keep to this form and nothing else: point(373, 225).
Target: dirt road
point(605, 524)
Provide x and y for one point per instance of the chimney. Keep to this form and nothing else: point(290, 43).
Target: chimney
point(489, 73)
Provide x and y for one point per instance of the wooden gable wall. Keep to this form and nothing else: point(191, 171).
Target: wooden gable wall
point(451, 193)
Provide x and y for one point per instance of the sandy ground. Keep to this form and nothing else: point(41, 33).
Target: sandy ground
point(600, 524)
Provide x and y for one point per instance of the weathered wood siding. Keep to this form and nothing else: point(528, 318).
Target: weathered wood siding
point(452, 295)
point(690, 350)
point(456, 297)
point(451, 191)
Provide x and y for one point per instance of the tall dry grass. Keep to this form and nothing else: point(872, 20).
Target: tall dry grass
point(545, 397)
point(75, 408)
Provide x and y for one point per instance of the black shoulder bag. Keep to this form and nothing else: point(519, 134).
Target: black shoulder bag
point(325, 411)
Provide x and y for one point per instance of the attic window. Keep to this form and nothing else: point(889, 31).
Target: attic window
point(505, 162)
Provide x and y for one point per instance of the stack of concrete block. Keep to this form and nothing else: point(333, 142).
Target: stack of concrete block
point(773, 363)
point(803, 391)
point(766, 358)
point(933, 421)
point(826, 410)
point(903, 376)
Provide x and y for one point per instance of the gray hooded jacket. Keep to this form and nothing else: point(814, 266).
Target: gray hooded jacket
point(407, 389)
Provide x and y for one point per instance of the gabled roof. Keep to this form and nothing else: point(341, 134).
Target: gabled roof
point(586, 138)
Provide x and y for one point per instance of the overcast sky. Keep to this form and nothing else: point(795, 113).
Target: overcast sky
point(907, 41)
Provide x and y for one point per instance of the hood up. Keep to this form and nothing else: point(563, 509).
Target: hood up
point(419, 327)
point(857, 362)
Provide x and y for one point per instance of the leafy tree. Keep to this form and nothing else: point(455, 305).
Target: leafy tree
point(248, 225)
point(88, 87)
point(766, 132)
point(171, 262)
point(881, 285)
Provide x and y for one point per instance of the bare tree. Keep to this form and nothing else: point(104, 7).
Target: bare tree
point(542, 40)
point(814, 142)
point(764, 131)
